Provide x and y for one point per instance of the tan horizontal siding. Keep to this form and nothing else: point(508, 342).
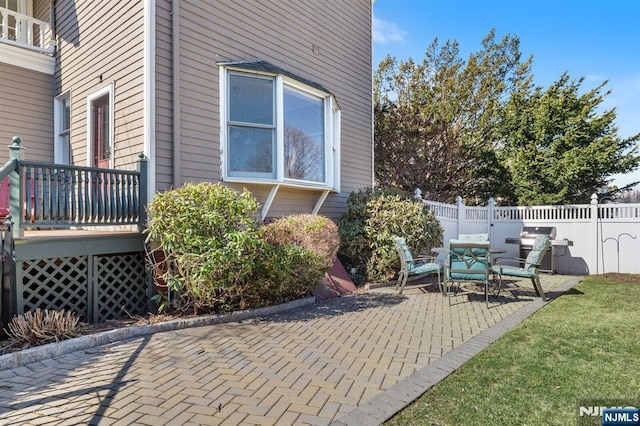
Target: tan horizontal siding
point(27, 111)
point(101, 42)
point(287, 201)
point(164, 96)
point(282, 33)
point(41, 10)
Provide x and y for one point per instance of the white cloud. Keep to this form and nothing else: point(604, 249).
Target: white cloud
point(595, 78)
point(386, 32)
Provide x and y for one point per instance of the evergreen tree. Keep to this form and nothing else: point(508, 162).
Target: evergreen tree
point(558, 148)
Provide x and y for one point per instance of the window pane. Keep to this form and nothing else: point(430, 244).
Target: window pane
point(102, 127)
point(66, 149)
point(251, 150)
point(303, 136)
point(251, 99)
point(65, 114)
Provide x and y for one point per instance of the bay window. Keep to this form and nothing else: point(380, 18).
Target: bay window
point(277, 128)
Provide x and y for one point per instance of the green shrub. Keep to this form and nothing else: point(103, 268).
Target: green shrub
point(315, 233)
point(218, 257)
point(286, 273)
point(303, 250)
point(211, 240)
point(373, 217)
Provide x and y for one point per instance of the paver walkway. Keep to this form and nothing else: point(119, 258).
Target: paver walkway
point(352, 360)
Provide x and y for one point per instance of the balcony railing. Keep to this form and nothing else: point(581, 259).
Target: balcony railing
point(59, 196)
point(25, 31)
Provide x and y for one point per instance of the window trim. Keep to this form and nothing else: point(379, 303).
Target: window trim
point(273, 127)
point(108, 91)
point(61, 148)
point(332, 125)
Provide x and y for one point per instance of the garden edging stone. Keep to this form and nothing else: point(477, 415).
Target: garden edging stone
point(39, 353)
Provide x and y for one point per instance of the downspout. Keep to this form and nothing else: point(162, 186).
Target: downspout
point(175, 101)
point(149, 94)
point(53, 43)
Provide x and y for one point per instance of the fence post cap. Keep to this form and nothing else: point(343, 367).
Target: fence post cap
point(17, 140)
point(594, 198)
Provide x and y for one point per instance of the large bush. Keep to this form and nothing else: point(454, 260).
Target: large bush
point(210, 238)
point(317, 234)
point(303, 249)
point(373, 217)
point(211, 250)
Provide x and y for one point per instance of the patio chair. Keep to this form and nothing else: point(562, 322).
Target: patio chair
point(530, 266)
point(468, 261)
point(410, 266)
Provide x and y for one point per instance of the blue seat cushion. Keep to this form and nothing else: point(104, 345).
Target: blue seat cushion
point(514, 271)
point(425, 268)
point(468, 277)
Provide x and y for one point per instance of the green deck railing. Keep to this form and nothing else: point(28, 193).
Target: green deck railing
point(59, 196)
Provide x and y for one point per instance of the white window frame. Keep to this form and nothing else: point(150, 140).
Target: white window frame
point(61, 147)
point(331, 133)
point(107, 90)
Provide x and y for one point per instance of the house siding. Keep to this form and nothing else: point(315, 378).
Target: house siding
point(282, 33)
point(42, 10)
point(26, 112)
point(164, 96)
point(100, 44)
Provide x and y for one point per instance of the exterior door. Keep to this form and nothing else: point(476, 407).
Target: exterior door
point(100, 132)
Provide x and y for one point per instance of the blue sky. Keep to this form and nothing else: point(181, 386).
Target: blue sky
point(594, 39)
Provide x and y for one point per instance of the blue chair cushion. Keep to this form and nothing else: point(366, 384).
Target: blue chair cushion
point(468, 277)
point(425, 268)
point(461, 249)
point(514, 271)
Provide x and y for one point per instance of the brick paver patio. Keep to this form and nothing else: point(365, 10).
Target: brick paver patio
point(352, 360)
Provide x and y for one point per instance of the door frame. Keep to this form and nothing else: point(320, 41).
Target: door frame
point(105, 91)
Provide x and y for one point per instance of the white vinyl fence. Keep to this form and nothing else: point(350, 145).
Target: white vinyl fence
point(602, 237)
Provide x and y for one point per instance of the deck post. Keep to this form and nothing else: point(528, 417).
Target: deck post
point(7, 304)
point(143, 168)
point(16, 196)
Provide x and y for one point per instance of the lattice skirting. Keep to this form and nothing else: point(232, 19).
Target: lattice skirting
point(122, 285)
point(97, 288)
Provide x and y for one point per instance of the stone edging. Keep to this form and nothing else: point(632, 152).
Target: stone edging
point(39, 353)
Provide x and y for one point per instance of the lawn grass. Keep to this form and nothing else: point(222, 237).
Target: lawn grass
point(583, 346)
